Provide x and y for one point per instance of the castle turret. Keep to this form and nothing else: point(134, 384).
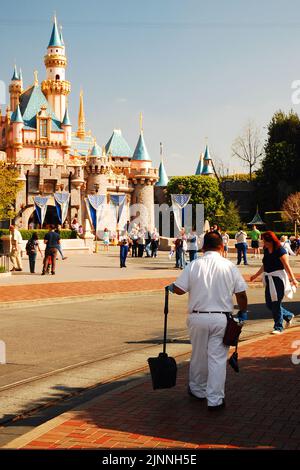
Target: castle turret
point(162, 174)
point(15, 89)
point(55, 87)
point(96, 167)
point(207, 163)
point(67, 127)
point(143, 178)
point(17, 128)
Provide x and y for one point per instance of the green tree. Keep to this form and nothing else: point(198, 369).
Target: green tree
point(279, 173)
point(203, 190)
point(9, 187)
point(230, 219)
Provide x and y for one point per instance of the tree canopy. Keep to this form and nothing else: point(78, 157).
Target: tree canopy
point(279, 173)
point(9, 187)
point(203, 190)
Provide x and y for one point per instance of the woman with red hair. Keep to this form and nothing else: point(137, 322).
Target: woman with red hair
point(278, 279)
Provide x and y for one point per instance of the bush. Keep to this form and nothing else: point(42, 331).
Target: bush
point(2, 269)
point(27, 234)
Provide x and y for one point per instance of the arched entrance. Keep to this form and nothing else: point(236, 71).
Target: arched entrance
point(50, 218)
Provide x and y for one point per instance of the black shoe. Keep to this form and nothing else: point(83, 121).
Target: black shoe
point(53, 274)
point(43, 274)
point(217, 407)
point(194, 396)
point(13, 269)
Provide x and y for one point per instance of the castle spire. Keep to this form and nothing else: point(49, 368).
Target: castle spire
point(81, 118)
point(163, 179)
point(55, 39)
point(15, 75)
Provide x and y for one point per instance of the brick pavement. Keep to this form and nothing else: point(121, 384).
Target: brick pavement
point(263, 410)
point(84, 288)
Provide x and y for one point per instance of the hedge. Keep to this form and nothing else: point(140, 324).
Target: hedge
point(232, 233)
point(27, 234)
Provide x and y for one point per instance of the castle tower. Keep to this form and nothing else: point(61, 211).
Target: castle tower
point(81, 119)
point(96, 166)
point(55, 87)
point(143, 178)
point(15, 89)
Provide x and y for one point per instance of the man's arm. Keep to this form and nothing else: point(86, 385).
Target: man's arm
point(242, 301)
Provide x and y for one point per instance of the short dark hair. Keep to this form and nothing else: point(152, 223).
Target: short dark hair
point(212, 241)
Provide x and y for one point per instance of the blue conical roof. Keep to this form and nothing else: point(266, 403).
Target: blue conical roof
point(15, 75)
point(55, 40)
point(61, 36)
point(66, 120)
point(207, 163)
point(199, 168)
point(16, 115)
point(206, 153)
point(96, 151)
point(163, 177)
point(141, 152)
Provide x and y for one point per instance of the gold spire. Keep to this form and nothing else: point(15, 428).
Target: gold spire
point(81, 119)
point(141, 122)
point(36, 80)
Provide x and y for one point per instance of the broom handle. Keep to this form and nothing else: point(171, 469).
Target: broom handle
point(166, 311)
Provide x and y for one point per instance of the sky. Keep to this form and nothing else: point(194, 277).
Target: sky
point(197, 70)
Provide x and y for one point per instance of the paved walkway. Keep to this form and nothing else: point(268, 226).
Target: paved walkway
point(262, 410)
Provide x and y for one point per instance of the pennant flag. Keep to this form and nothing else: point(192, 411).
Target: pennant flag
point(62, 205)
point(179, 202)
point(95, 206)
point(118, 200)
point(40, 204)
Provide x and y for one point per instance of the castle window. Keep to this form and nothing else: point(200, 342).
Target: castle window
point(57, 77)
point(43, 128)
point(43, 154)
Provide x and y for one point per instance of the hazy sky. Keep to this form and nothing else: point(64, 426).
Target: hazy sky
point(194, 68)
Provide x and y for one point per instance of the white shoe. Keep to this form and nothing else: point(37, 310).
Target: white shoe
point(289, 322)
point(276, 332)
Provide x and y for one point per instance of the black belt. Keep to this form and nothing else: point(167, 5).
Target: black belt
point(198, 311)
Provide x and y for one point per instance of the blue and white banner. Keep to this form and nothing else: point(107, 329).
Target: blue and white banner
point(95, 207)
point(40, 204)
point(62, 205)
point(118, 200)
point(179, 202)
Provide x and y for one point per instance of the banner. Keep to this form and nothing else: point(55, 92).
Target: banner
point(179, 202)
point(62, 205)
point(40, 204)
point(95, 207)
point(118, 200)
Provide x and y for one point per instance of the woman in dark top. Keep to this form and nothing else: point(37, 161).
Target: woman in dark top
point(278, 278)
point(32, 247)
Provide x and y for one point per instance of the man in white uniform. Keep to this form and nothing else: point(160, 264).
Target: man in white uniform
point(211, 282)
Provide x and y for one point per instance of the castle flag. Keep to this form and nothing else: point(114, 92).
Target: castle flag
point(62, 205)
point(40, 204)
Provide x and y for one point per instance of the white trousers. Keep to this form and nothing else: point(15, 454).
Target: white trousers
point(15, 257)
point(207, 373)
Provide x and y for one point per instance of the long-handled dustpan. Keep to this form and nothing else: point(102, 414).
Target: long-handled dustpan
point(163, 368)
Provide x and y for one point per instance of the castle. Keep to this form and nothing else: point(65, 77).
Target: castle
point(37, 138)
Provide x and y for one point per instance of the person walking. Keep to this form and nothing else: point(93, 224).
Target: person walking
point(278, 278)
point(154, 242)
point(15, 252)
point(52, 241)
point(211, 282)
point(124, 247)
point(225, 238)
point(32, 247)
point(59, 247)
point(255, 236)
point(241, 246)
point(106, 239)
point(192, 242)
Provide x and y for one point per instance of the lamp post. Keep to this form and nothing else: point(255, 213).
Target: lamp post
point(96, 186)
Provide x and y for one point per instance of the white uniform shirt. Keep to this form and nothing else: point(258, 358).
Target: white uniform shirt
point(211, 281)
point(16, 237)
